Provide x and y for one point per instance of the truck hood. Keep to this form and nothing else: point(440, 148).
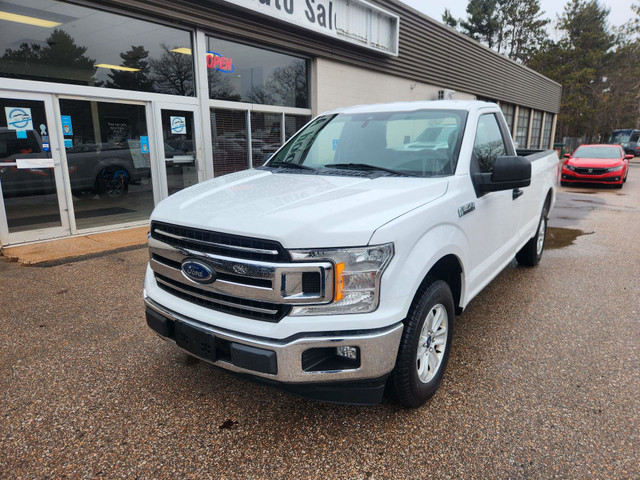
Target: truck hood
point(298, 210)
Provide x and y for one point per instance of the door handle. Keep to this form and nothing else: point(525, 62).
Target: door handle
point(517, 193)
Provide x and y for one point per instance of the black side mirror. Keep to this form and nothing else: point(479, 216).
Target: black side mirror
point(508, 173)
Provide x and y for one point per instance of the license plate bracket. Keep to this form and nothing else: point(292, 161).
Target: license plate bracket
point(195, 341)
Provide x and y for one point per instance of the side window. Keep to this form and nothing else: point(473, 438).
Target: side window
point(488, 144)
point(634, 137)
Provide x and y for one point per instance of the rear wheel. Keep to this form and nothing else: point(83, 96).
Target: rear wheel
point(531, 253)
point(425, 345)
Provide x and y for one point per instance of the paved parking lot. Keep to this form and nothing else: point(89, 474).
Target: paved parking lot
point(543, 379)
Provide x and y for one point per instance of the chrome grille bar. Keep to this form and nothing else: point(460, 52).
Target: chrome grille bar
point(215, 300)
point(214, 244)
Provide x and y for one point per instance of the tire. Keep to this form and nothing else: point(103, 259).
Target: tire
point(531, 253)
point(112, 184)
point(414, 379)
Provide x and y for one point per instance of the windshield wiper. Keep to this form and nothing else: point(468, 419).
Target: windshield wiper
point(366, 166)
point(289, 165)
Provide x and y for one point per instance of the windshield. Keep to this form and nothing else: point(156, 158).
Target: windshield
point(620, 136)
point(597, 152)
point(418, 143)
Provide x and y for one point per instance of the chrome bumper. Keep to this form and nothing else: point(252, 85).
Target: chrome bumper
point(378, 351)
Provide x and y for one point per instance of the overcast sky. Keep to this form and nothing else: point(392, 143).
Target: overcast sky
point(620, 9)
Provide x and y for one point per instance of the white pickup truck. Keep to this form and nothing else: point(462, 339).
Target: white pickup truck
point(337, 268)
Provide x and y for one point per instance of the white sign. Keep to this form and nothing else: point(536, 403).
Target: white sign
point(19, 118)
point(178, 125)
point(353, 21)
point(23, 163)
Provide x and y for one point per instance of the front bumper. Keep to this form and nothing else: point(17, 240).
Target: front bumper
point(607, 178)
point(280, 362)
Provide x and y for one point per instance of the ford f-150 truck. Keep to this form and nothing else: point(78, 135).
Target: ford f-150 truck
point(337, 268)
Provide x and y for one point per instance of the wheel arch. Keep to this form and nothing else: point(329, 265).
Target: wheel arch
point(449, 270)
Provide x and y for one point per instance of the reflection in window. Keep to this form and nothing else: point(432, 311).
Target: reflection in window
point(488, 144)
point(249, 74)
point(84, 46)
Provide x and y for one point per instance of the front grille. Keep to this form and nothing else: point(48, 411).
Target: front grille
point(216, 243)
point(255, 282)
point(265, 311)
point(590, 171)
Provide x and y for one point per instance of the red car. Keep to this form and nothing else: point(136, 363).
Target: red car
point(606, 164)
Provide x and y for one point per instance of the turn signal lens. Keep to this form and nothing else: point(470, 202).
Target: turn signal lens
point(339, 290)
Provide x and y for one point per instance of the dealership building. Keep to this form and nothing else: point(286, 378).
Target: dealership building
point(109, 106)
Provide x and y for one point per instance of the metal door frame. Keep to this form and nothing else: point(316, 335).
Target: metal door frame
point(160, 167)
point(55, 134)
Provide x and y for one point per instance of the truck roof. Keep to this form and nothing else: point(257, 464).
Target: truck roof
point(466, 105)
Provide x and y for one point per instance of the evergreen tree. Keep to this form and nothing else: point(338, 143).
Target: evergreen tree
point(515, 28)
point(581, 61)
point(132, 80)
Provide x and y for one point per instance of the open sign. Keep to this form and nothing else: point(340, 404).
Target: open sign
point(220, 63)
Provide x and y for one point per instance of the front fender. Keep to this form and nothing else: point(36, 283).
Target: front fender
point(416, 254)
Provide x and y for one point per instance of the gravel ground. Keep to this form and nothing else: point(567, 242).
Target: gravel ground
point(543, 379)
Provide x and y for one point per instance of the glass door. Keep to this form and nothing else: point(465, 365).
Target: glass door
point(32, 200)
point(108, 157)
point(180, 147)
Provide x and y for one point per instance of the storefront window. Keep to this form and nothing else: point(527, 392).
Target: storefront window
point(248, 74)
point(546, 132)
point(508, 109)
point(293, 123)
point(59, 42)
point(266, 136)
point(523, 127)
point(229, 137)
point(536, 128)
point(108, 156)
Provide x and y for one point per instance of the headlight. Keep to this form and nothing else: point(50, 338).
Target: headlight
point(356, 279)
point(614, 169)
point(569, 167)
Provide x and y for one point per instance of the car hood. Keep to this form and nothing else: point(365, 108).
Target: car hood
point(298, 210)
point(595, 162)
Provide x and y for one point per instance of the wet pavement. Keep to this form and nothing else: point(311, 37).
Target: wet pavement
point(543, 380)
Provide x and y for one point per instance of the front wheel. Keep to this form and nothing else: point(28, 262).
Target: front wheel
point(425, 345)
point(531, 253)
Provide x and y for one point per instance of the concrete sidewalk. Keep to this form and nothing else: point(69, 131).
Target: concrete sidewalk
point(76, 248)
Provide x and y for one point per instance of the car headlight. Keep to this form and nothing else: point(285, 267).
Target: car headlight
point(614, 169)
point(356, 278)
point(569, 167)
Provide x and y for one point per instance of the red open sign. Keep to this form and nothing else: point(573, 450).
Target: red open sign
point(220, 63)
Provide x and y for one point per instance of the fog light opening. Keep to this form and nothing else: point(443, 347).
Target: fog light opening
point(331, 359)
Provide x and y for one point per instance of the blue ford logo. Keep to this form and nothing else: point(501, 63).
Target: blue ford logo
point(198, 271)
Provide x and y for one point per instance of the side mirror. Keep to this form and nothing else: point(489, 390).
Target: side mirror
point(567, 155)
point(629, 156)
point(508, 173)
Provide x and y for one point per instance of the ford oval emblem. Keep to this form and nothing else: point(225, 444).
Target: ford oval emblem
point(198, 271)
